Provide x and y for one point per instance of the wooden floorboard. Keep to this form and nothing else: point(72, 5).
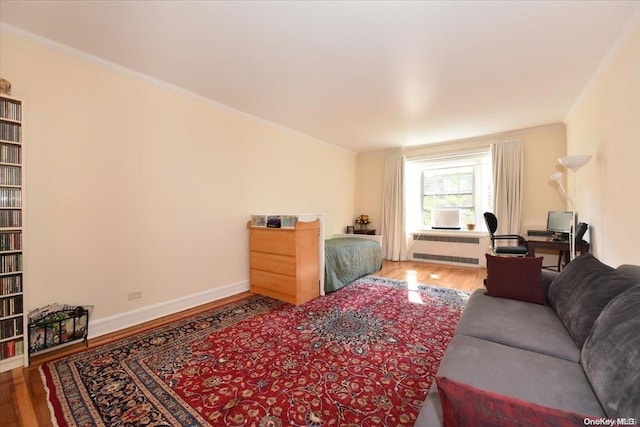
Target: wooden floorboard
point(465, 278)
point(8, 404)
point(23, 401)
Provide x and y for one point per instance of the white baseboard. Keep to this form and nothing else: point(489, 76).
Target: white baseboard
point(117, 322)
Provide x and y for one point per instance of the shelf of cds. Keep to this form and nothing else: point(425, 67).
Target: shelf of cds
point(12, 323)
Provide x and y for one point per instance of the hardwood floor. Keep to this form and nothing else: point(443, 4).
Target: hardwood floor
point(22, 396)
point(466, 279)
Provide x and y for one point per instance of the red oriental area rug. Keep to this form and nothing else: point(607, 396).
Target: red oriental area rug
point(363, 356)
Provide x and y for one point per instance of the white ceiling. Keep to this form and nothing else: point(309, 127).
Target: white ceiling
point(361, 75)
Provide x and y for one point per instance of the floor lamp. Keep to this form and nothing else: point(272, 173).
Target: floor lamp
point(574, 163)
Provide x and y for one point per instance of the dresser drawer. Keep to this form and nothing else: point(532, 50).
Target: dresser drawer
point(277, 282)
point(281, 264)
point(281, 242)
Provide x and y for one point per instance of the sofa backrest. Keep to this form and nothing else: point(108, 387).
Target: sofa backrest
point(582, 290)
point(629, 270)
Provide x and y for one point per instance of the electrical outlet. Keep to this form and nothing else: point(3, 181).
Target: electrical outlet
point(135, 295)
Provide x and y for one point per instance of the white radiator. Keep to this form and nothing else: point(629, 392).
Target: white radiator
point(450, 247)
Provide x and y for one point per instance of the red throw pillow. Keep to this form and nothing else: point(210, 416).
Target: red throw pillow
point(518, 278)
point(466, 406)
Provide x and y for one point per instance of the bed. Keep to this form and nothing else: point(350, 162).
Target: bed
point(348, 259)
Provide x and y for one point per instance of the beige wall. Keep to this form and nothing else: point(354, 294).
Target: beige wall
point(542, 147)
point(132, 186)
point(606, 124)
point(369, 184)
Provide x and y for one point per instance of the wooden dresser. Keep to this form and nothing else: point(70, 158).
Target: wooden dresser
point(284, 262)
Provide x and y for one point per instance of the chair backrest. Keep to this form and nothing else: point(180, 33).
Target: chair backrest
point(581, 230)
point(492, 222)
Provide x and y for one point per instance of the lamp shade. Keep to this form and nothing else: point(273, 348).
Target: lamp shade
point(575, 162)
point(557, 177)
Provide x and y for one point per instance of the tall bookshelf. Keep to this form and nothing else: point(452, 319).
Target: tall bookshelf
point(12, 330)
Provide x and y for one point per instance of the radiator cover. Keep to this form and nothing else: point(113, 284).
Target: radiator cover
point(455, 248)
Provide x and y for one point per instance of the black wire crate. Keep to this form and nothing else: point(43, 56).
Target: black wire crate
point(48, 329)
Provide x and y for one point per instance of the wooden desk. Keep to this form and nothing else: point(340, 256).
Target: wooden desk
point(562, 246)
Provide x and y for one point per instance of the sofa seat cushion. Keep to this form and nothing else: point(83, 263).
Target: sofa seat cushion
point(582, 290)
point(518, 324)
point(531, 377)
point(611, 356)
point(466, 406)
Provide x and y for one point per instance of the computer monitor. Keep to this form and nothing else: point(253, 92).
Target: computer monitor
point(559, 223)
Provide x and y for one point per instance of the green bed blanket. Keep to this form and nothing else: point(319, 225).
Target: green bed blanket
point(348, 259)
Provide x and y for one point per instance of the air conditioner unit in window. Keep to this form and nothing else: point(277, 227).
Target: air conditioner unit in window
point(445, 219)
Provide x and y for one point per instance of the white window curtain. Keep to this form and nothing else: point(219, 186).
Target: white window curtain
point(393, 209)
point(508, 160)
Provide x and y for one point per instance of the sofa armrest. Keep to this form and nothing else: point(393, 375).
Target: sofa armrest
point(630, 270)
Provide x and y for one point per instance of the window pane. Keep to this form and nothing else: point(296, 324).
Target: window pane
point(453, 200)
point(428, 202)
point(452, 184)
point(429, 186)
point(441, 202)
point(466, 183)
point(468, 216)
point(427, 219)
point(466, 200)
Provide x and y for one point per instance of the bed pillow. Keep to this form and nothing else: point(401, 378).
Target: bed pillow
point(611, 357)
point(582, 290)
point(467, 406)
point(518, 278)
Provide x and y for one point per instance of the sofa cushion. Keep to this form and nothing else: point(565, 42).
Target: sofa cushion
point(582, 290)
point(516, 278)
point(467, 406)
point(517, 324)
point(630, 270)
point(611, 355)
point(532, 377)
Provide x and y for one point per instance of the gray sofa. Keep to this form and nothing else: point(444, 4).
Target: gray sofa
point(580, 352)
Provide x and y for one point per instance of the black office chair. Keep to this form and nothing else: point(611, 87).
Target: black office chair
point(520, 249)
point(564, 257)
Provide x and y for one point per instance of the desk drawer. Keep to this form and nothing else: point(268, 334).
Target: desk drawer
point(274, 241)
point(281, 264)
point(277, 282)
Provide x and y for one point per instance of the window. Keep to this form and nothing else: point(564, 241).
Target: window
point(448, 188)
point(461, 182)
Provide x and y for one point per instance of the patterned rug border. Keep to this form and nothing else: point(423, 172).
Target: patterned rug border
point(263, 306)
